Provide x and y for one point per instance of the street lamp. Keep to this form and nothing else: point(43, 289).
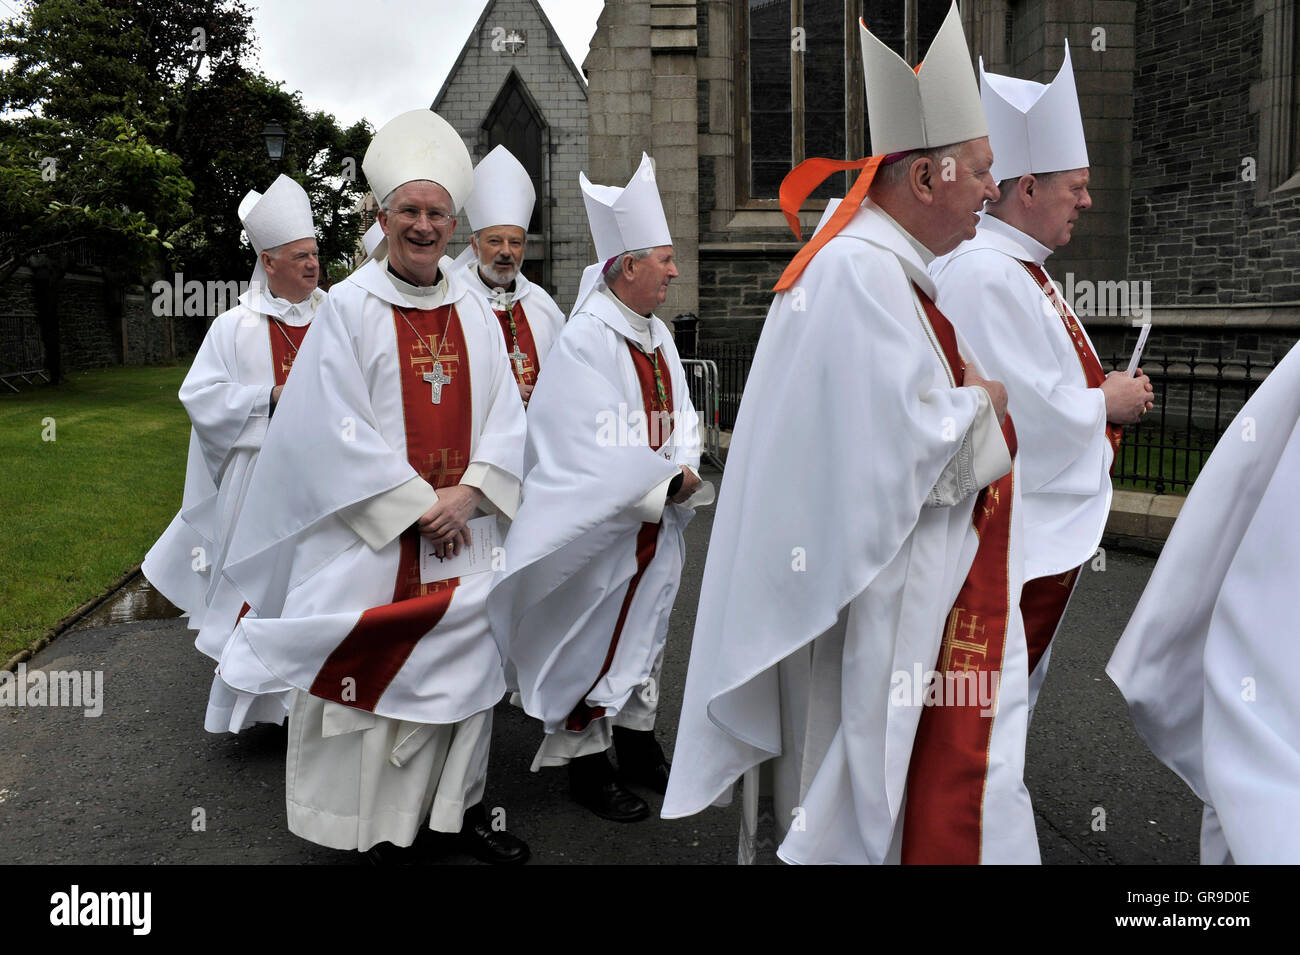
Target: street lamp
point(275, 136)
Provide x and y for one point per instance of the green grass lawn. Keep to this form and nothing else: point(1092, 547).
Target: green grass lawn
point(84, 508)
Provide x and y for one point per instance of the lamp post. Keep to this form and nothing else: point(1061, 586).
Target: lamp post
point(275, 136)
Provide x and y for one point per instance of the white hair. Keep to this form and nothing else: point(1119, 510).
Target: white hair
point(616, 266)
point(896, 172)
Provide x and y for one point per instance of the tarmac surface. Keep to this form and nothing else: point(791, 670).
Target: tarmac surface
point(129, 786)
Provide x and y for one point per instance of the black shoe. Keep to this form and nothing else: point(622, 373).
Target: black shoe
point(493, 846)
point(592, 784)
point(387, 854)
point(641, 759)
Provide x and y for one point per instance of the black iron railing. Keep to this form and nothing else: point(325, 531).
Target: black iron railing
point(733, 361)
point(1196, 400)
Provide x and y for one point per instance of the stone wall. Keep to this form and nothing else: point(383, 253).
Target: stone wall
point(89, 338)
point(1201, 232)
point(552, 81)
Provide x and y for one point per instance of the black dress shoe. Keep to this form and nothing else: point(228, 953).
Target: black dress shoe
point(493, 846)
point(641, 759)
point(592, 784)
point(387, 854)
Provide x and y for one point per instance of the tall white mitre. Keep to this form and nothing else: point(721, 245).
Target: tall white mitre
point(417, 145)
point(936, 105)
point(281, 214)
point(503, 192)
point(1034, 128)
point(622, 220)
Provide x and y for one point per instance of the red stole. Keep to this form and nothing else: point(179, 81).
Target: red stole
point(947, 774)
point(1043, 600)
point(282, 353)
point(524, 369)
point(359, 669)
point(647, 537)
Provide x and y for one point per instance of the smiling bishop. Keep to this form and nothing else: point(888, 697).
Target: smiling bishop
point(406, 428)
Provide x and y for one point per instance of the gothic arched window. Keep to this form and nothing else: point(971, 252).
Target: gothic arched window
point(515, 122)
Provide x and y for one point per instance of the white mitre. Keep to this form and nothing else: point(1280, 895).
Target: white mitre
point(936, 105)
point(503, 195)
point(1034, 128)
point(503, 192)
point(419, 145)
point(281, 214)
point(621, 220)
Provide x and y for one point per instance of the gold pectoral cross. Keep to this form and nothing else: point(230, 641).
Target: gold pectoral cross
point(436, 379)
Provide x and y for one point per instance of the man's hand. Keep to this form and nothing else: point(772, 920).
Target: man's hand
point(275, 395)
point(444, 523)
point(689, 483)
point(996, 391)
point(525, 392)
point(1127, 399)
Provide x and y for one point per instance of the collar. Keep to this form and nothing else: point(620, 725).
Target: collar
point(993, 233)
point(645, 332)
point(375, 278)
point(260, 299)
point(873, 224)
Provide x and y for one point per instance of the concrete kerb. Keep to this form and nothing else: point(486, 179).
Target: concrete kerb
point(90, 606)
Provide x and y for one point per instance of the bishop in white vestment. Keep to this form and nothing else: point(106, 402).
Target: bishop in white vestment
point(407, 425)
point(594, 557)
point(499, 210)
point(230, 393)
point(858, 625)
point(994, 287)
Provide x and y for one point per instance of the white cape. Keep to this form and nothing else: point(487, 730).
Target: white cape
point(227, 395)
point(572, 548)
point(336, 446)
point(1208, 660)
point(848, 420)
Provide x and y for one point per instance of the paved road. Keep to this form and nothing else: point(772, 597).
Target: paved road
point(125, 787)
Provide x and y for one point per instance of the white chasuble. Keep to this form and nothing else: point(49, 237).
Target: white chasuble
point(594, 557)
point(227, 394)
point(832, 567)
point(1208, 660)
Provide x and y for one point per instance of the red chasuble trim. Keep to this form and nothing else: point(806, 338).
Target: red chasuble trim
point(942, 822)
point(1093, 373)
point(524, 370)
point(282, 353)
point(437, 447)
point(647, 538)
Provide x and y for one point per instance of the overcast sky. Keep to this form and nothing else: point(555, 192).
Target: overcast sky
point(375, 59)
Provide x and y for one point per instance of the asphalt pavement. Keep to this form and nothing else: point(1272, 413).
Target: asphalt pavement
point(142, 783)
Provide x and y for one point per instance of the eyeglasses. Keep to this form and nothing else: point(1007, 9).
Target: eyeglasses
point(435, 217)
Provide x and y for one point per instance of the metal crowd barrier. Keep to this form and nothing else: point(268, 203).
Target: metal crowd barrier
point(706, 396)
